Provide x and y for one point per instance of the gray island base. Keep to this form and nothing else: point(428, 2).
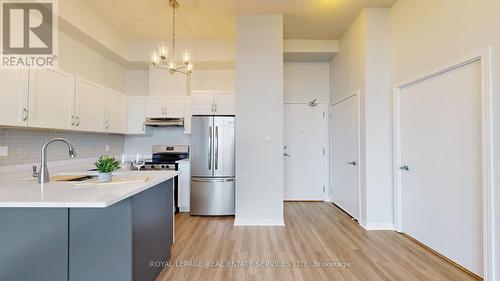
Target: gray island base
point(116, 243)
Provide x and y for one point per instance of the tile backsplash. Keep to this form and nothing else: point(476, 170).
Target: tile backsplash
point(24, 145)
point(156, 136)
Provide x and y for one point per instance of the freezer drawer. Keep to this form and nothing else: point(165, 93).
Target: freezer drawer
point(212, 196)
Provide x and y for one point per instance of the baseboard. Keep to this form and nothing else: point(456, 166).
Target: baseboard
point(377, 226)
point(259, 222)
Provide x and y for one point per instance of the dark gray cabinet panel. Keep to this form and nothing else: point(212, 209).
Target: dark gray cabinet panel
point(100, 243)
point(34, 244)
point(153, 221)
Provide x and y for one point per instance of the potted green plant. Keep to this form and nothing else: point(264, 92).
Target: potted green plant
point(106, 165)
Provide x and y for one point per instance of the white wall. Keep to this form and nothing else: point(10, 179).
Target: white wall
point(77, 58)
point(259, 120)
point(213, 79)
point(429, 33)
point(306, 81)
point(362, 65)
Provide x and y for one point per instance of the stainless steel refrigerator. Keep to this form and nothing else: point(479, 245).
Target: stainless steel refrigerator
point(212, 165)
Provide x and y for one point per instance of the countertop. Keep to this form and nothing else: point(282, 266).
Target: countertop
point(18, 189)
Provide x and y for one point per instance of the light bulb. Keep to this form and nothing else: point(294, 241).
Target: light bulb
point(155, 59)
point(162, 48)
point(186, 57)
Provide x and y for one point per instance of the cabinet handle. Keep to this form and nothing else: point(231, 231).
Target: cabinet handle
point(215, 107)
point(25, 114)
point(77, 121)
point(107, 124)
point(72, 120)
point(143, 127)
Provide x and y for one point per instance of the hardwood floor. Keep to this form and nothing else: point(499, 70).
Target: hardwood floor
point(314, 232)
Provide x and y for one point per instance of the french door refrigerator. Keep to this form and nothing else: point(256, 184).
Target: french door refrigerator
point(212, 166)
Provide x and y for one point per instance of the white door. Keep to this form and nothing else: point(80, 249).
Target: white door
point(89, 106)
point(345, 155)
point(303, 153)
point(174, 107)
point(14, 97)
point(136, 115)
point(224, 103)
point(441, 146)
point(52, 97)
point(115, 112)
point(202, 102)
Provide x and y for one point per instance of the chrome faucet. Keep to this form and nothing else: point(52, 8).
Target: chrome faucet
point(43, 174)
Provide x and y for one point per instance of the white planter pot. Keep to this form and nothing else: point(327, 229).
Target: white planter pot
point(104, 177)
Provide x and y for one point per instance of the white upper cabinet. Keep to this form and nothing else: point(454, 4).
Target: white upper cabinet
point(115, 109)
point(51, 99)
point(165, 107)
point(89, 106)
point(136, 115)
point(202, 102)
point(213, 103)
point(224, 103)
point(14, 97)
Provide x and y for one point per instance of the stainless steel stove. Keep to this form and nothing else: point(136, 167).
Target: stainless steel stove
point(165, 157)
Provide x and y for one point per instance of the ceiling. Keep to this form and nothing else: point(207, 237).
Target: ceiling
point(214, 19)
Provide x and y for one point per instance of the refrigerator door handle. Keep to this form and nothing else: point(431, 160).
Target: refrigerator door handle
point(212, 180)
point(210, 148)
point(216, 147)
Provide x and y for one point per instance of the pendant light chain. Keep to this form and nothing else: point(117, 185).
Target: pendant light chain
point(174, 6)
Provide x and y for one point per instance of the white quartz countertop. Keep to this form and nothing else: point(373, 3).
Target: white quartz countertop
point(18, 189)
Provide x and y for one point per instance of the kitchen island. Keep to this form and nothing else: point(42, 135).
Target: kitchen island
point(60, 231)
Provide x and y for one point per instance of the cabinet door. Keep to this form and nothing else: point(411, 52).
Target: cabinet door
point(224, 103)
point(203, 103)
point(52, 99)
point(14, 97)
point(155, 107)
point(136, 115)
point(115, 112)
point(89, 106)
point(174, 107)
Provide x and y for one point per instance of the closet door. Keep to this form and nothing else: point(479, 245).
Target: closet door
point(345, 155)
point(441, 174)
point(51, 99)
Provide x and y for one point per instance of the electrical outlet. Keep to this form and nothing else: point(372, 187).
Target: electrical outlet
point(4, 151)
point(107, 147)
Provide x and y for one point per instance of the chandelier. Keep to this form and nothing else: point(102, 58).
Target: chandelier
point(160, 58)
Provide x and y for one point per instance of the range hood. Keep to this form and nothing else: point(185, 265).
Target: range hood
point(164, 122)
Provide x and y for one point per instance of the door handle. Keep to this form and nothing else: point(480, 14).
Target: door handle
point(210, 148)
point(286, 154)
point(25, 114)
point(353, 163)
point(212, 180)
point(216, 147)
point(404, 168)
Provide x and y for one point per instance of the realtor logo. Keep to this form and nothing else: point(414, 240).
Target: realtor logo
point(29, 33)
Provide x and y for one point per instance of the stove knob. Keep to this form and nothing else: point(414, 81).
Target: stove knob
point(153, 167)
point(163, 166)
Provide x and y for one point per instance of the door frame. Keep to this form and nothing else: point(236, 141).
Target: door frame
point(326, 162)
point(357, 96)
point(483, 56)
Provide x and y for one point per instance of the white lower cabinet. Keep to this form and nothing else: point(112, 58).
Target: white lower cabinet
point(184, 186)
point(51, 99)
point(14, 97)
point(136, 115)
point(115, 120)
point(89, 106)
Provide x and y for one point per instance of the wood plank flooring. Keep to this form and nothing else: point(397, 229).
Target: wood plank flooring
point(315, 232)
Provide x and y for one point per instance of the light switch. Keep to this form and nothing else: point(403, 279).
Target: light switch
point(269, 138)
point(4, 151)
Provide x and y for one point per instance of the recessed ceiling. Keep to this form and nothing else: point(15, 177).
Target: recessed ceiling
point(214, 19)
